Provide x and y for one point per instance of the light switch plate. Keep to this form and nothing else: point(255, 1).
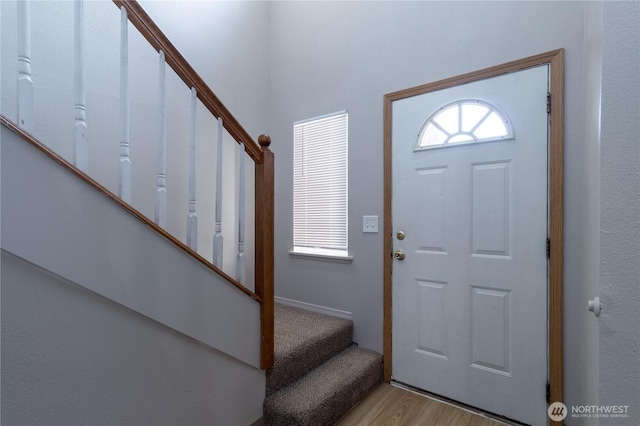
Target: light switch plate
point(370, 224)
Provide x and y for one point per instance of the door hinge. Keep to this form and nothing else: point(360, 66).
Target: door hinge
point(548, 248)
point(548, 393)
point(548, 102)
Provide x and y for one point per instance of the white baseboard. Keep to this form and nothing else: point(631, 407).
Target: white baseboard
point(314, 308)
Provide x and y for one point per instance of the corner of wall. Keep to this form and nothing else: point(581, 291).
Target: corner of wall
point(619, 337)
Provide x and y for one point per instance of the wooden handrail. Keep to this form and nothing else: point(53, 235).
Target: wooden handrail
point(150, 31)
point(91, 182)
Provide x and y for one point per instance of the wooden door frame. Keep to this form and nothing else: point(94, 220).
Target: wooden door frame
point(555, 60)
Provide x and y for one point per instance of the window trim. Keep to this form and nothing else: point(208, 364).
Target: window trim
point(319, 256)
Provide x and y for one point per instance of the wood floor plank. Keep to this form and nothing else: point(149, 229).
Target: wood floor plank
point(396, 408)
point(389, 405)
point(384, 406)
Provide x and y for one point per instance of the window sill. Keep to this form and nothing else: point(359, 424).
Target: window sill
point(322, 257)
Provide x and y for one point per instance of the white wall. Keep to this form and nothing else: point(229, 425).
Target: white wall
point(619, 324)
point(72, 357)
point(331, 56)
point(577, 317)
point(226, 42)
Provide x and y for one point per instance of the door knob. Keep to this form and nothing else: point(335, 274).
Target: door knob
point(594, 306)
point(398, 254)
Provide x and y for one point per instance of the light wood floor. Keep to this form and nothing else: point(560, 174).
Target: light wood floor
point(391, 406)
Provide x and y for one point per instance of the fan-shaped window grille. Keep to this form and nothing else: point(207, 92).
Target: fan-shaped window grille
point(463, 122)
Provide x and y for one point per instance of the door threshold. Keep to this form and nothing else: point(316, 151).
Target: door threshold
point(456, 404)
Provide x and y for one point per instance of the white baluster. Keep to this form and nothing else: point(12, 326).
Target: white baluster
point(25, 84)
point(80, 137)
point(192, 218)
point(240, 264)
point(217, 238)
point(161, 189)
point(124, 175)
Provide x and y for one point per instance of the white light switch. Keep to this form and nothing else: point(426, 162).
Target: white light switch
point(370, 224)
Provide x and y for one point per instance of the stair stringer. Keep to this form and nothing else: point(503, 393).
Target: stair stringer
point(58, 222)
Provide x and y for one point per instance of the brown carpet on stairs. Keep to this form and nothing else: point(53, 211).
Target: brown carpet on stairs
point(303, 340)
point(319, 374)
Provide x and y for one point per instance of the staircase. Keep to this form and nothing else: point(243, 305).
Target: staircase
point(86, 215)
point(319, 372)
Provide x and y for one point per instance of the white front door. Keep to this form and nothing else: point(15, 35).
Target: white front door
point(469, 300)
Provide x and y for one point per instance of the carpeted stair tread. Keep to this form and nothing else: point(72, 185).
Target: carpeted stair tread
point(326, 393)
point(303, 340)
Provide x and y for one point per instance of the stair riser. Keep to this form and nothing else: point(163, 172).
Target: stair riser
point(290, 368)
point(333, 408)
point(319, 374)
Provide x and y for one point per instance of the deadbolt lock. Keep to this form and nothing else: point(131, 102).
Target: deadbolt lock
point(398, 254)
point(400, 235)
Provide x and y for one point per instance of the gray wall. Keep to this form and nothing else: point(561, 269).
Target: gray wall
point(56, 221)
point(620, 211)
point(226, 42)
point(331, 56)
point(316, 58)
point(72, 357)
point(136, 332)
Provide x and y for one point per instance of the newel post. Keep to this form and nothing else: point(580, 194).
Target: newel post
point(264, 218)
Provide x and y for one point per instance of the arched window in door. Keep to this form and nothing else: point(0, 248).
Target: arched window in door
point(463, 122)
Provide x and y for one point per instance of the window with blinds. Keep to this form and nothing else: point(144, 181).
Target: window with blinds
point(320, 180)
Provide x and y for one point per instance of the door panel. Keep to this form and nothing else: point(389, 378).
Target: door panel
point(470, 299)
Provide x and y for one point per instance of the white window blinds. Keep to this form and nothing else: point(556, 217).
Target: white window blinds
point(320, 180)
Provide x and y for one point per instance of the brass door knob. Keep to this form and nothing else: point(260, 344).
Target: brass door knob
point(398, 254)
